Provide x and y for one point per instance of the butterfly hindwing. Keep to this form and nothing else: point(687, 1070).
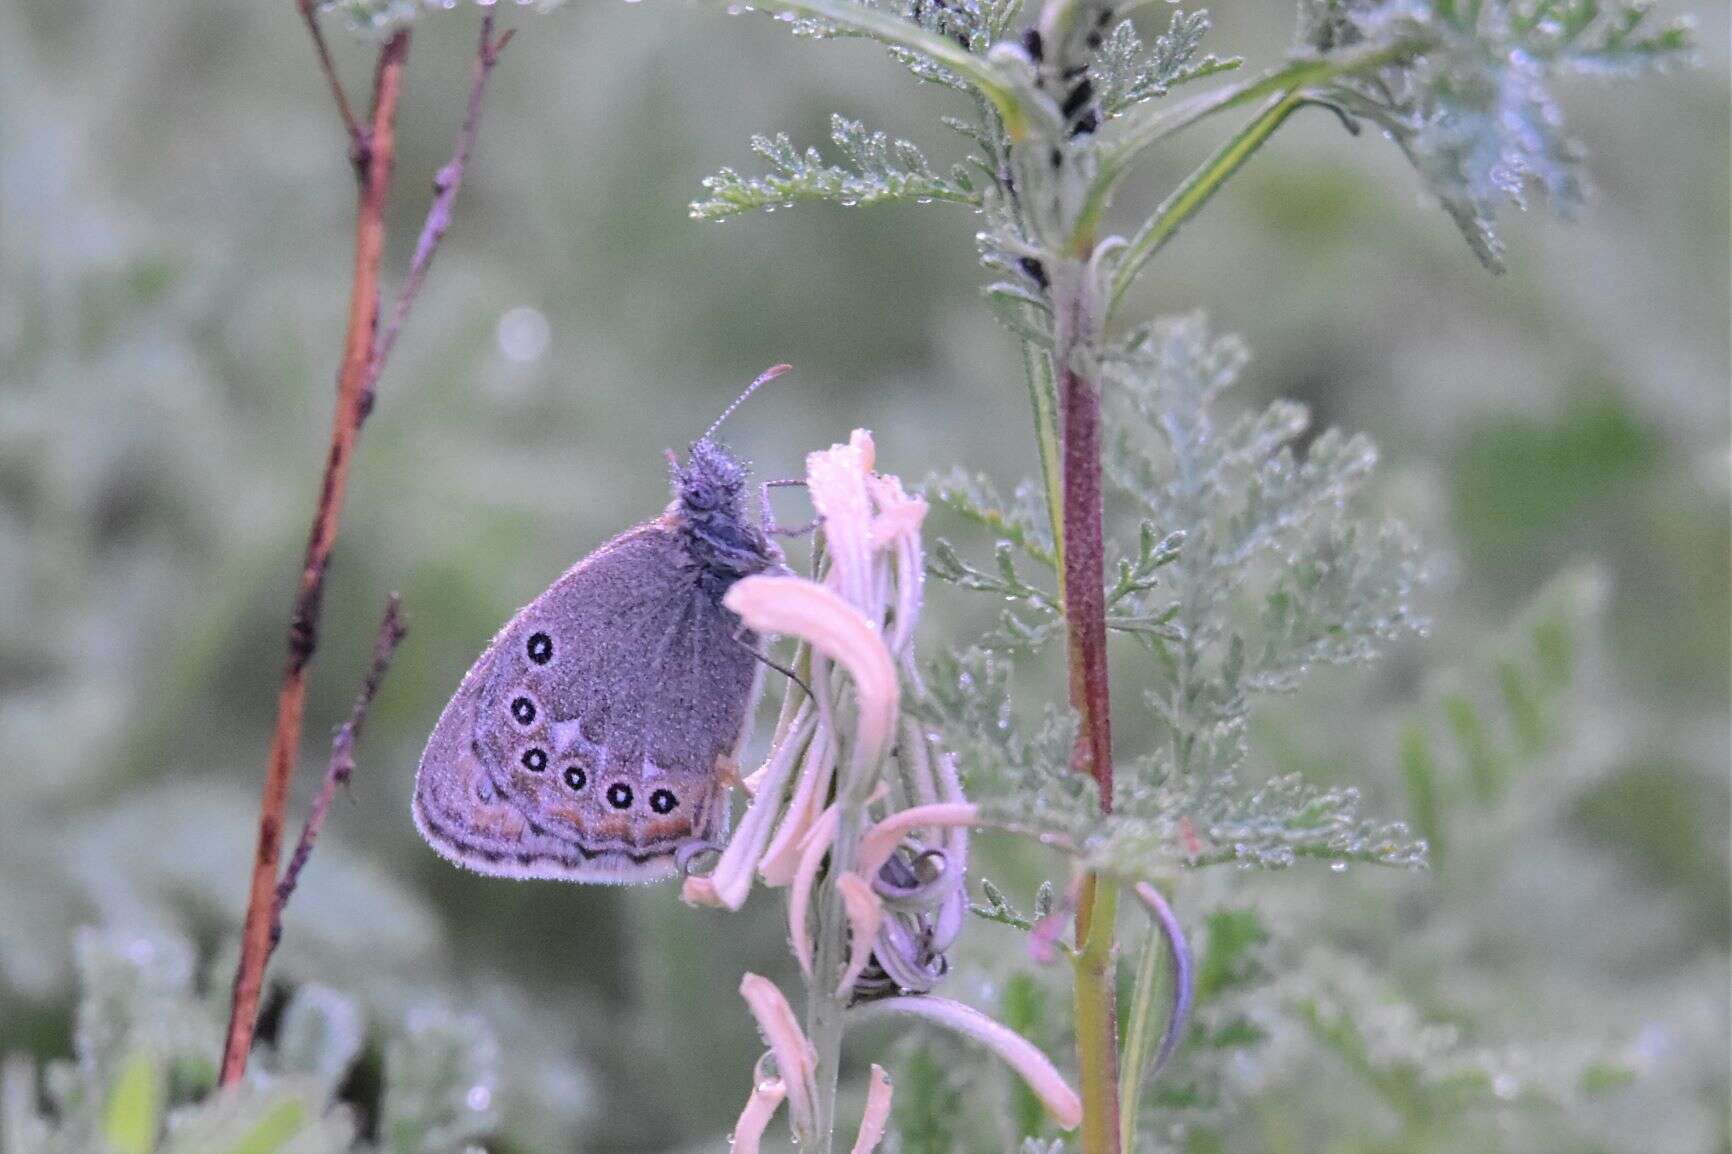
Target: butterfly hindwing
point(589, 742)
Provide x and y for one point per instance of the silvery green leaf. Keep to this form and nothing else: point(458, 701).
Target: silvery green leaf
point(320, 1035)
point(1473, 107)
point(1127, 73)
point(877, 168)
point(287, 1117)
point(441, 1080)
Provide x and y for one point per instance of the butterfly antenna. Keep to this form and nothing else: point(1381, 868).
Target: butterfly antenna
point(764, 378)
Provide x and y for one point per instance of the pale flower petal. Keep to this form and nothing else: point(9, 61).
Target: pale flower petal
point(795, 1060)
point(877, 1115)
point(865, 915)
point(836, 481)
point(812, 851)
point(728, 884)
point(882, 839)
point(760, 1108)
point(1016, 1051)
point(794, 606)
point(783, 854)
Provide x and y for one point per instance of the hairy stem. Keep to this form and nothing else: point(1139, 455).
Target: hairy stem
point(303, 627)
point(1086, 635)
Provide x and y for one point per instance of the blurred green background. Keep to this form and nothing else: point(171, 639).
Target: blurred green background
point(175, 226)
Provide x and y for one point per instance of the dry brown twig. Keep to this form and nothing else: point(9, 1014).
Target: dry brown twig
point(341, 766)
point(365, 346)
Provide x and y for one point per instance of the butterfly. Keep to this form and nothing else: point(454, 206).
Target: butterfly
point(593, 740)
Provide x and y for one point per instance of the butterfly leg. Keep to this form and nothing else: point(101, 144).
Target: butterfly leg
point(740, 637)
point(767, 515)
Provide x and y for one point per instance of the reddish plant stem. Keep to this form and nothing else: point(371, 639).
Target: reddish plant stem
point(375, 183)
point(341, 766)
point(357, 134)
point(446, 184)
point(1085, 578)
point(1086, 634)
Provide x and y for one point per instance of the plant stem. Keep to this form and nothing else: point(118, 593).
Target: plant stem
point(825, 1007)
point(1043, 402)
point(1139, 1036)
point(1293, 77)
point(1085, 620)
point(1189, 197)
point(341, 766)
point(303, 626)
point(1085, 577)
point(825, 1004)
point(1097, 1016)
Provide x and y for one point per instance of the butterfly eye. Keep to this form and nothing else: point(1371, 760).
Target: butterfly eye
point(700, 495)
point(523, 711)
point(575, 777)
point(663, 801)
point(619, 795)
point(534, 760)
point(540, 648)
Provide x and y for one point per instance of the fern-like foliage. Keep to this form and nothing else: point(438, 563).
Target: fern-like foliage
point(142, 1078)
point(1127, 72)
point(876, 168)
point(1475, 112)
point(1261, 569)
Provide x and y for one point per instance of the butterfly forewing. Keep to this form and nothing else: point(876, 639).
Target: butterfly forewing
point(589, 742)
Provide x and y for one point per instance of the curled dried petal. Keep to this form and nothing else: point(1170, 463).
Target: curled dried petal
point(882, 839)
point(1179, 1011)
point(1016, 1051)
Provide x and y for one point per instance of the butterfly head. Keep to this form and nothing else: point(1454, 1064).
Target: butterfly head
point(710, 482)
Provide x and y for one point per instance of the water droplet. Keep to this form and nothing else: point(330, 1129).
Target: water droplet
point(479, 1098)
point(523, 334)
point(1338, 867)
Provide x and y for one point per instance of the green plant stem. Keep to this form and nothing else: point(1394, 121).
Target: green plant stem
point(1043, 403)
point(825, 1006)
point(1143, 1031)
point(1195, 192)
point(1097, 1016)
point(1291, 78)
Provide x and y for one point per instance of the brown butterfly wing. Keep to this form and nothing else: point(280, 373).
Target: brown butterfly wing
point(588, 743)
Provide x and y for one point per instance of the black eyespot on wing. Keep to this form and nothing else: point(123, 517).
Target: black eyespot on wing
point(663, 801)
point(575, 778)
point(540, 648)
point(534, 759)
point(523, 711)
point(619, 795)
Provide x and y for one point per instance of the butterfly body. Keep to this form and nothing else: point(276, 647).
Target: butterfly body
point(592, 740)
